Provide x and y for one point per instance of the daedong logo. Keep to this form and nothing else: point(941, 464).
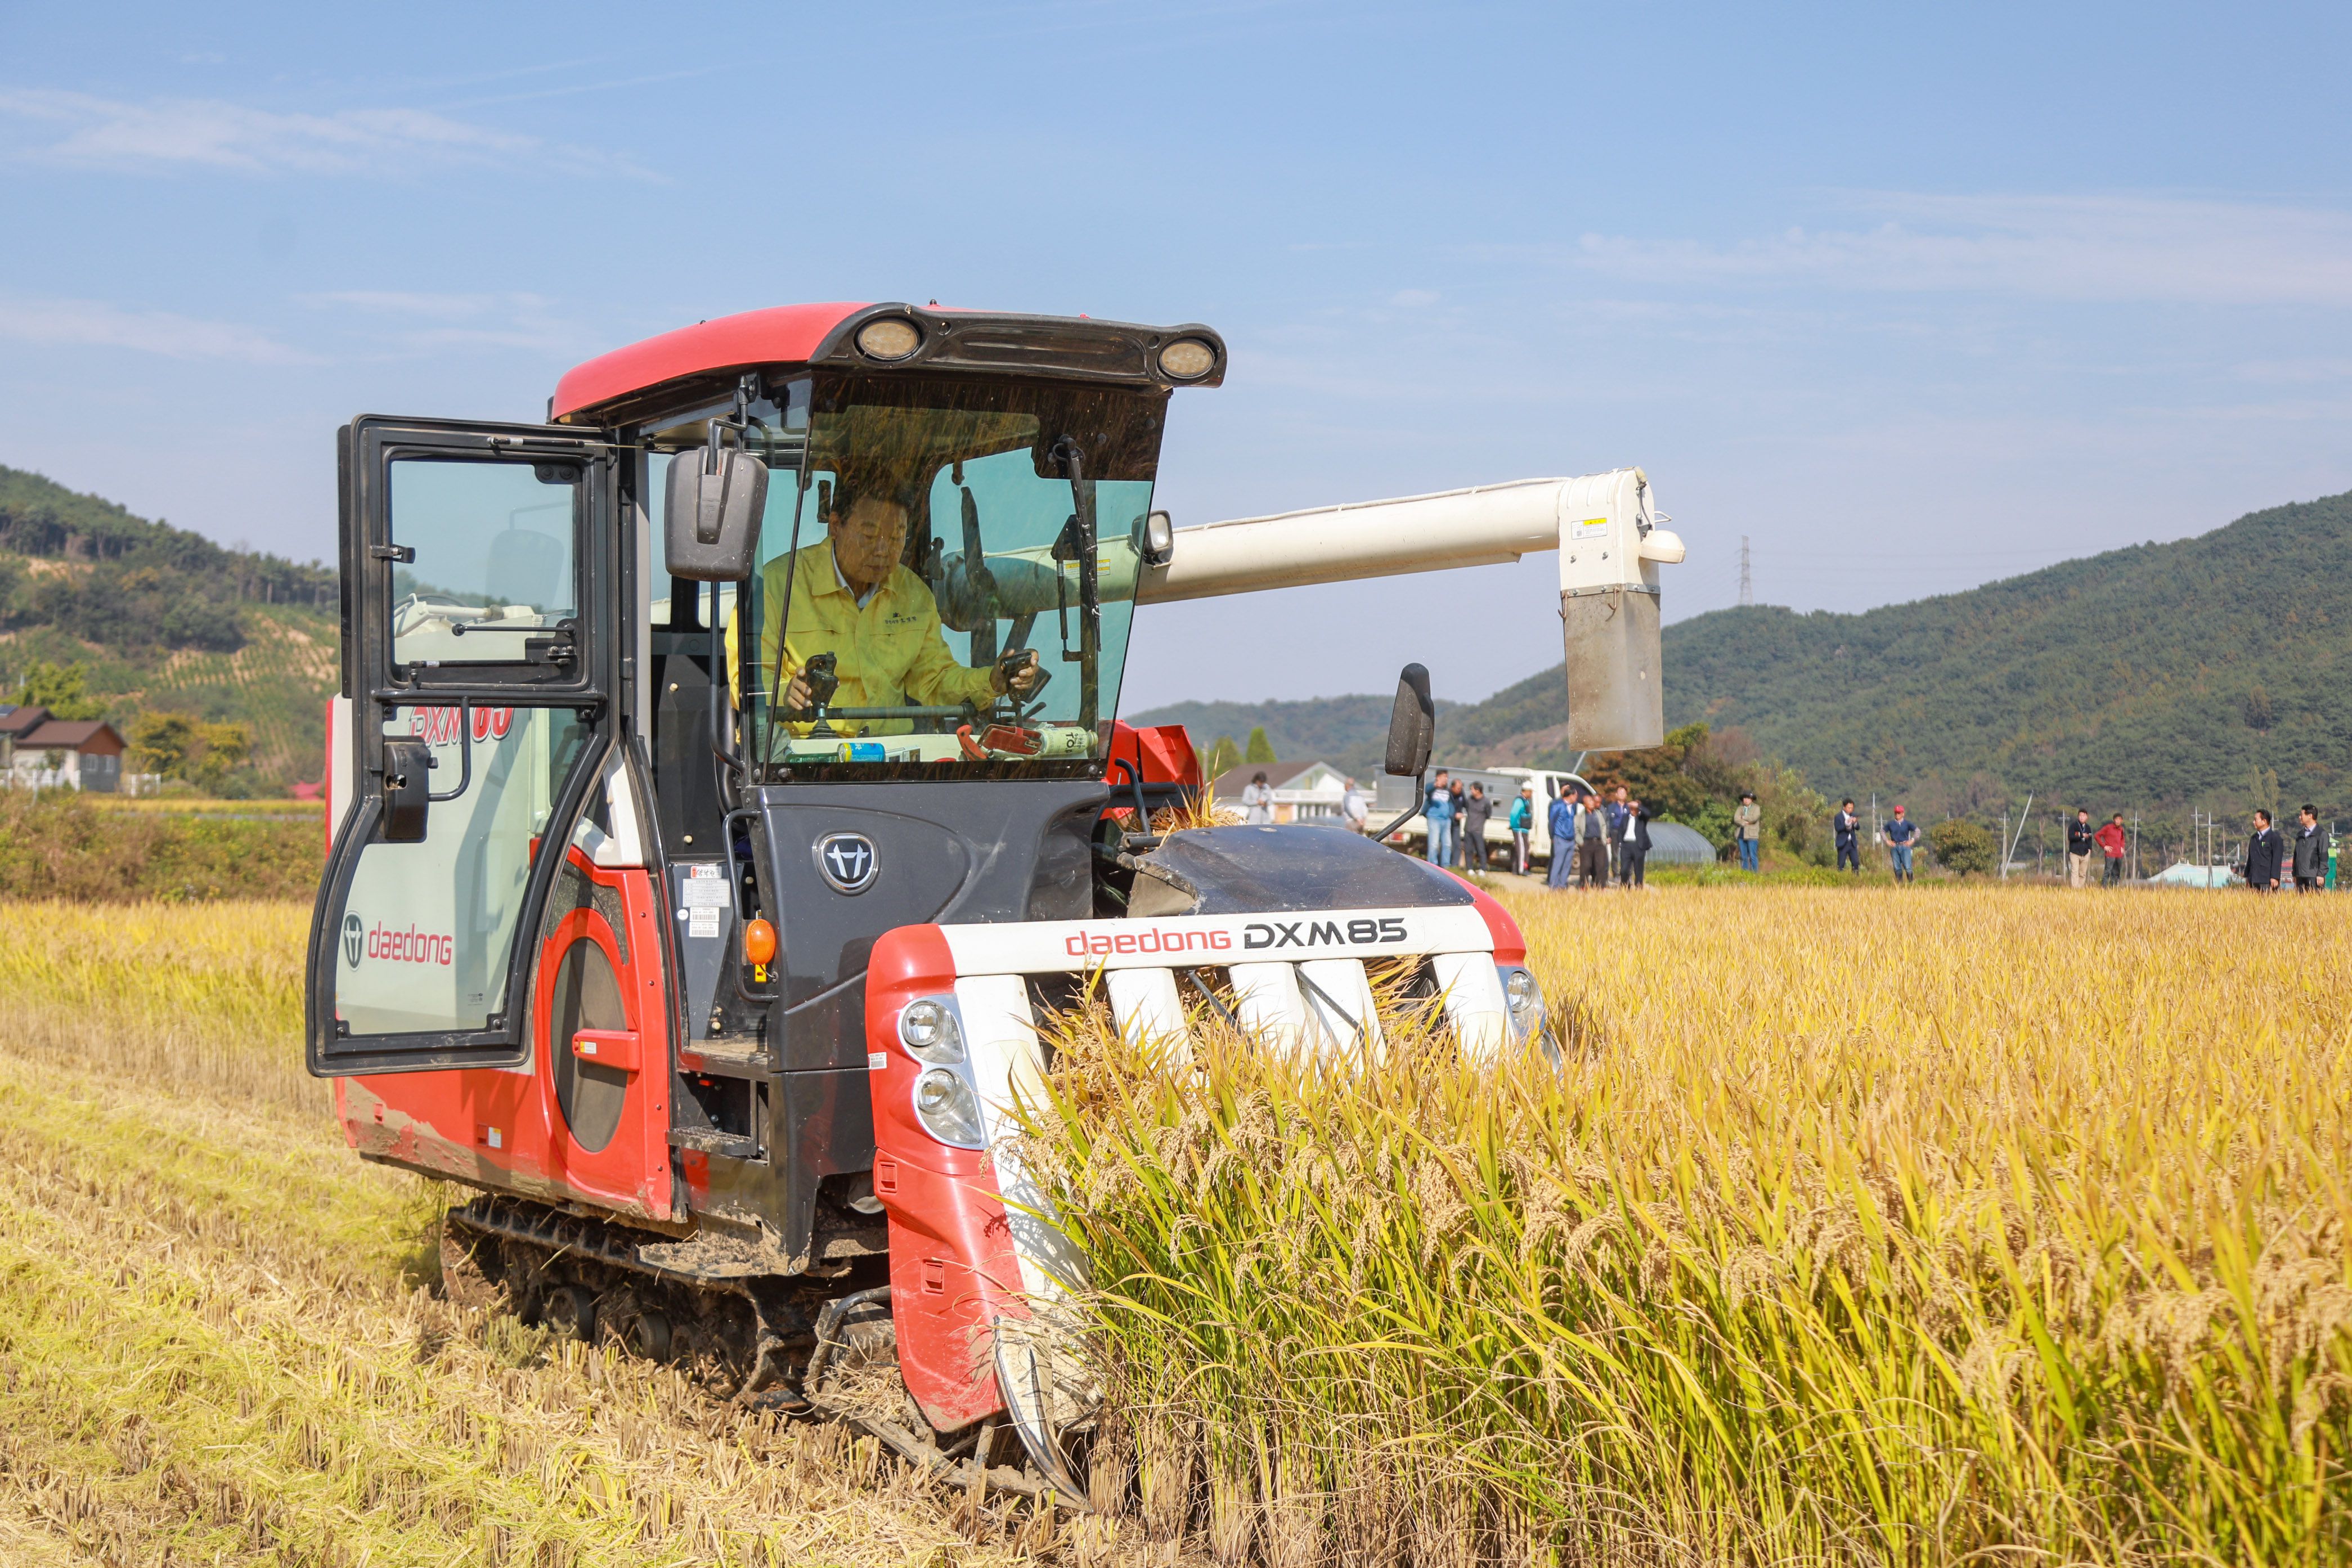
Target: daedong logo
point(354, 939)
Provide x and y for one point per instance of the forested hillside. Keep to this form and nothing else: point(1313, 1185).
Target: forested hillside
point(2214, 671)
point(159, 618)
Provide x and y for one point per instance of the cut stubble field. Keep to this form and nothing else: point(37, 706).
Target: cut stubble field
point(1880, 1226)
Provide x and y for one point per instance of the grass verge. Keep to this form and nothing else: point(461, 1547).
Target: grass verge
point(61, 844)
point(219, 1343)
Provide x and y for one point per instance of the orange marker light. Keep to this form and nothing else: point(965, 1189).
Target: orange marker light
point(759, 944)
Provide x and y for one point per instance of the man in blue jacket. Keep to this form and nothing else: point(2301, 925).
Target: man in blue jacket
point(1438, 812)
point(1561, 824)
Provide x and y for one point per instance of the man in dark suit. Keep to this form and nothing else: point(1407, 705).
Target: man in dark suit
point(1634, 849)
point(2265, 853)
point(1847, 824)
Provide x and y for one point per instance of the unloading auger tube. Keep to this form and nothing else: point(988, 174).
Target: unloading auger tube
point(1611, 541)
point(728, 1011)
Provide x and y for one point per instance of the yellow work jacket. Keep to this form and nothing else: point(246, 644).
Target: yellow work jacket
point(889, 654)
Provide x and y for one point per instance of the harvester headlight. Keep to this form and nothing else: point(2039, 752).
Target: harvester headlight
point(929, 1029)
point(1156, 540)
point(1526, 999)
point(945, 1105)
point(891, 338)
point(1187, 360)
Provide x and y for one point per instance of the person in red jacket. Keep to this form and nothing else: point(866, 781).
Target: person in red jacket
point(2111, 839)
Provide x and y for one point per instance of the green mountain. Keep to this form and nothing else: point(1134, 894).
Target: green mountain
point(159, 617)
point(2213, 672)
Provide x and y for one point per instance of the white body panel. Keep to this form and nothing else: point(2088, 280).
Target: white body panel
point(1148, 1006)
point(1055, 947)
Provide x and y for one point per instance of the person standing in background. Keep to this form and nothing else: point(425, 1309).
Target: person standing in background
point(1561, 823)
point(1257, 800)
point(1523, 824)
point(1900, 832)
point(1437, 811)
point(2265, 852)
point(1618, 814)
point(2080, 843)
point(1592, 844)
point(1460, 802)
point(1635, 851)
point(1847, 827)
point(1475, 812)
point(2310, 851)
point(2112, 838)
point(1355, 811)
point(1748, 830)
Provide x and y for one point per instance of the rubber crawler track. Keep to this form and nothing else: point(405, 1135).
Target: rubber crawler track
point(749, 1340)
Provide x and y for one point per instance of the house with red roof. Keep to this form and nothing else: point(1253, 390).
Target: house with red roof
point(41, 751)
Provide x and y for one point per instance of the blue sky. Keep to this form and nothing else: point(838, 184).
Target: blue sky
point(1913, 300)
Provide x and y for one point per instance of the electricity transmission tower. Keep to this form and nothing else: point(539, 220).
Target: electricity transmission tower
point(1746, 584)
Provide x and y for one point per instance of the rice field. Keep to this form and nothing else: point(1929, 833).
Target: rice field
point(1859, 1226)
point(1868, 1226)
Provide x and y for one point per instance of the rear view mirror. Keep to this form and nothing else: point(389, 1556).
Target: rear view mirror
point(1412, 725)
point(716, 499)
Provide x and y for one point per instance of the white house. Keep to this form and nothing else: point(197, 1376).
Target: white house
point(1303, 792)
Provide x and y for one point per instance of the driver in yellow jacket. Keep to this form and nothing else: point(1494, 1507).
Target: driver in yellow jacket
point(851, 598)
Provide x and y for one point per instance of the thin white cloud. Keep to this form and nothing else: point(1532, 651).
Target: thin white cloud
point(419, 323)
point(2275, 372)
point(389, 302)
point(97, 132)
point(2109, 248)
point(95, 324)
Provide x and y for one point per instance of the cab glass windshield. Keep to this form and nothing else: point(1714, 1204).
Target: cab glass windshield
point(921, 596)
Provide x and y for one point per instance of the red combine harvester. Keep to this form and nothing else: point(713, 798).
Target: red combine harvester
point(726, 778)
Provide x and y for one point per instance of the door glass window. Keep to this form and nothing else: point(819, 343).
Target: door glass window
point(495, 559)
point(427, 932)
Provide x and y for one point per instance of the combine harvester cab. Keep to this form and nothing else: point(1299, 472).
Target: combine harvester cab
point(726, 781)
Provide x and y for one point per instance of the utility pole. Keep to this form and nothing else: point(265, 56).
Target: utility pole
point(1747, 583)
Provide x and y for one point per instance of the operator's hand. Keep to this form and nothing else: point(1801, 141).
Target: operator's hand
point(1019, 676)
point(797, 694)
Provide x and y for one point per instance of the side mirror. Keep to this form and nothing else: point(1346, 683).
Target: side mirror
point(715, 501)
point(407, 788)
point(1412, 725)
point(1155, 541)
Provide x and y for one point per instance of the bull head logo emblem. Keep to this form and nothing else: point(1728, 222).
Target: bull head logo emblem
point(847, 862)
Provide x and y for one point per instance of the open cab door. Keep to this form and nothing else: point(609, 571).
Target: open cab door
point(479, 662)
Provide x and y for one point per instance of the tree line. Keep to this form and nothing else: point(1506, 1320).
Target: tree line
point(130, 584)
